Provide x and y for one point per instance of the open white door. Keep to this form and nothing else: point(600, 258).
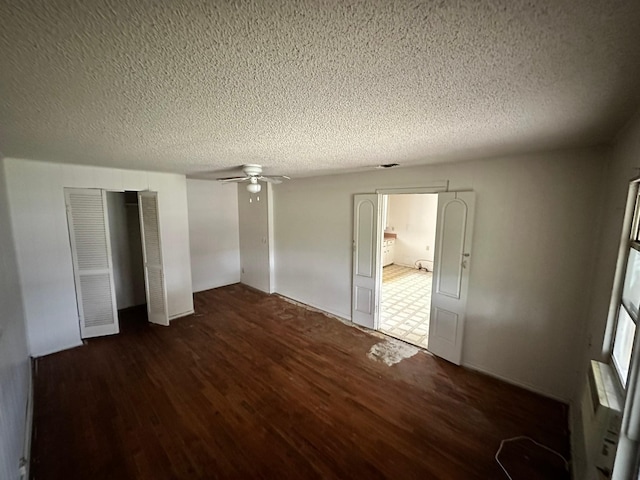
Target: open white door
point(92, 266)
point(152, 256)
point(365, 260)
point(451, 274)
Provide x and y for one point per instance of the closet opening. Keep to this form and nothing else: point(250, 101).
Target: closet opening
point(126, 252)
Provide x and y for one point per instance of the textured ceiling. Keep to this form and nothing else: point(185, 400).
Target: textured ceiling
point(311, 86)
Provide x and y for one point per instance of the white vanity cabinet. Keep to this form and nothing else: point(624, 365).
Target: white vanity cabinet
point(388, 245)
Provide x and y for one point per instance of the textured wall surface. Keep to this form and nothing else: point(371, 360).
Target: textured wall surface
point(301, 86)
point(255, 212)
point(413, 219)
point(14, 357)
point(213, 234)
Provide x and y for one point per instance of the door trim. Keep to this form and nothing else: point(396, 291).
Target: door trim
point(432, 187)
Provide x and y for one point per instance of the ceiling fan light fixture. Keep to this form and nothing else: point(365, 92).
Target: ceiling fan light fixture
point(253, 174)
point(254, 187)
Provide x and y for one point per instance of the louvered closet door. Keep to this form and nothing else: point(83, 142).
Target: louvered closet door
point(92, 266)
point(152, 255)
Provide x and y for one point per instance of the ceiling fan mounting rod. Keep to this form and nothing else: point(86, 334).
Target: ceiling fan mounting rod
point(252, 169)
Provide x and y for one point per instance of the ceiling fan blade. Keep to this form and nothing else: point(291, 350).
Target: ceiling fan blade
point(274, 178)
point(269, 180)
point(232, 179)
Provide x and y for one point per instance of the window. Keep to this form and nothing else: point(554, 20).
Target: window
point(628, 300)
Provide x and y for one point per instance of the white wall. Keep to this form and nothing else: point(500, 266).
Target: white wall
point(14, 358)
point(126, 251)
point(623, 165)
point(256, 242)
point(36, 200)
point(533, 254)
point(412, 217)
point(213, 233)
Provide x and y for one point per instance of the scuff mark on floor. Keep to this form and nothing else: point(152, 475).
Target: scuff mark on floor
point(391, 351)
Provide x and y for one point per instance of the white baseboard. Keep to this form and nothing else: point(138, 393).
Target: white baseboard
point(60, 349)
point(213, 286)
point(404, 265)
point(180, 315)
point(339, 316)
point(517, 383)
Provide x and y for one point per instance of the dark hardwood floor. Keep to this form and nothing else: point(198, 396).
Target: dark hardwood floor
point(252, 386)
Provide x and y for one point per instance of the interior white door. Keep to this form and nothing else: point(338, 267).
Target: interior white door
point(92, 265)
point(365, 260)
point(451, 274)
point(152, 255)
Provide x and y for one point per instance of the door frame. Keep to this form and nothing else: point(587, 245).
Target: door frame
point(432, 187)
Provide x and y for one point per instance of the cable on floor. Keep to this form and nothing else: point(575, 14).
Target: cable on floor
point(523, 437)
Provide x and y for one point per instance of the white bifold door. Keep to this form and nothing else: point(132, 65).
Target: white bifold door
point(454, 227)
point(92, 266)
point(152, 255)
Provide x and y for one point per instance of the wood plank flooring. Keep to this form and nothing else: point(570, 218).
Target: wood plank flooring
point(252, 386)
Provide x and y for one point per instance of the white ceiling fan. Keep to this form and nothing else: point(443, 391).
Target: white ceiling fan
point(253, 174)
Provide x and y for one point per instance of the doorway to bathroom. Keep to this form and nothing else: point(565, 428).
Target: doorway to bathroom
point(409, 234)
point(451, 260)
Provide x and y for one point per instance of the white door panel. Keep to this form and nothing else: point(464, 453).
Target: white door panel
point(152, 255)
point(365, 259)
point(445, 325)
point(92, 264)
point(451, 274)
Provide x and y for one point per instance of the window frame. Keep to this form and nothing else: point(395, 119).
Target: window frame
point(628, 455)
point(630, 239)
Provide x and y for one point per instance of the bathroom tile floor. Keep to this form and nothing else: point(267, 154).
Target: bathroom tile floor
point(405, 303)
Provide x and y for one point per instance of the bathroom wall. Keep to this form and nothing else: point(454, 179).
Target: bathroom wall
point(412, 217)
